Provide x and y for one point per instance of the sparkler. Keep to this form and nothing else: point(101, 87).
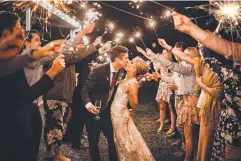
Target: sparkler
point(226, 12)
point(36, 4)
point(137, 3)
point(110, 28)
point(152, 24)
point(132, 40)
point(119, 36)
point(138, 35)
point(92, 16)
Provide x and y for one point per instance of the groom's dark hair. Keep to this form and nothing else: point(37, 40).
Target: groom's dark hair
point(117, 51)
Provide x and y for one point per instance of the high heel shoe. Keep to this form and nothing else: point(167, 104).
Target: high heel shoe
point(160, 130)
point(168, 135)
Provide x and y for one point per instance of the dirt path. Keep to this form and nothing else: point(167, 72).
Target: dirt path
point(145, 120)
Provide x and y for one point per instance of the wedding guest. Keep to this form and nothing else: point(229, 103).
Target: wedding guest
point(212, 41)
point(16, 94)
point(59, 100)
point(164, 94)
point(210, 105)
point(227, 143)
point(229, 125)
point(77, 122)
point(33, 75)
point(189, 113)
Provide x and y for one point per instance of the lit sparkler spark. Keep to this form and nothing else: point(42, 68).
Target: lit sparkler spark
point(119, 36)
point(152, 25)
point(168, 13)
point(137, 3)
point(92, 16)
point(132, 40)
point(138, 35)
point(44, 14)
point(110, 28)
point(226, 12)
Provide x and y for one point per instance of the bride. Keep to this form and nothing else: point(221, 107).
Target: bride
point(129, 143)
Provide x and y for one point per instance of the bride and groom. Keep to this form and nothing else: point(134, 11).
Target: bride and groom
point(107, 84)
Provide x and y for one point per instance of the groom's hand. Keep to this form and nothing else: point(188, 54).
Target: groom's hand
point(93, 109)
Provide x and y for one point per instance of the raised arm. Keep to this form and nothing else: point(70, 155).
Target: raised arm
point(77, 56)
point(69, 58)
point(28, 95)
point(17, 62)
point(210, 40)
point(179, 68)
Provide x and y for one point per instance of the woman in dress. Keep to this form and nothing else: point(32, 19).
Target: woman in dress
point(210, 104)
point(129, 143)
point(189, 113)
point(164, 95)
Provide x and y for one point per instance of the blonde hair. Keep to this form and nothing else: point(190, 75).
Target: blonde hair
point(194, 52)
point(141, 66)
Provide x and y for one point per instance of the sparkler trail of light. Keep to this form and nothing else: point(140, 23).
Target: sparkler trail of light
point(42, 10)
point(119, 36)
point(132, 40)
point(111, 26)
point(152, 25)
point(35, 5)
point(92, 16)
point(125, 11)
point(138, 35)
point(226, 12)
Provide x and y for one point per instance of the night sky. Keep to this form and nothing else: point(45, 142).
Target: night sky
point(126, 22)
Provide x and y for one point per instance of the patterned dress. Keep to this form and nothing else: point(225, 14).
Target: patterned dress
point(164, 93)
point(229, 128)
point(57, 116)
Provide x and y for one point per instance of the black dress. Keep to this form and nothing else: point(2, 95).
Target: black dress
point(16, 138)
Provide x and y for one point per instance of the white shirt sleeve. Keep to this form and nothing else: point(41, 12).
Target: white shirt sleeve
point(87, 106)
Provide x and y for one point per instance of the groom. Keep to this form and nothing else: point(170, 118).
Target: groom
point(101, 85)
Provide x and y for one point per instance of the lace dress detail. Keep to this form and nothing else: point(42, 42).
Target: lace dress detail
point(129, 143)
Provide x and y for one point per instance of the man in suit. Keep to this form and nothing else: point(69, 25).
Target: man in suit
point(101, 85)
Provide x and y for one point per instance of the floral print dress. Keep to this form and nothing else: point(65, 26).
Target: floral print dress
point(229, 128)
point(58, 114)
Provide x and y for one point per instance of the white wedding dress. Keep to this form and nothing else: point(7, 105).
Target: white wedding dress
point(129, 143)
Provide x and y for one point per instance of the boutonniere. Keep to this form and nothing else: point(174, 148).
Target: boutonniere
point(108, 78)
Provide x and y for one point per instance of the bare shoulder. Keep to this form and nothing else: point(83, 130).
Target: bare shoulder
point(133, 85)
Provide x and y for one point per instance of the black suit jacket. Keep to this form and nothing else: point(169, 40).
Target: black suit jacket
point(98, 85)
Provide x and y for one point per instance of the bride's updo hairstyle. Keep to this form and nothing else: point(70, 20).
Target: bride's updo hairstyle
point(141, 68)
